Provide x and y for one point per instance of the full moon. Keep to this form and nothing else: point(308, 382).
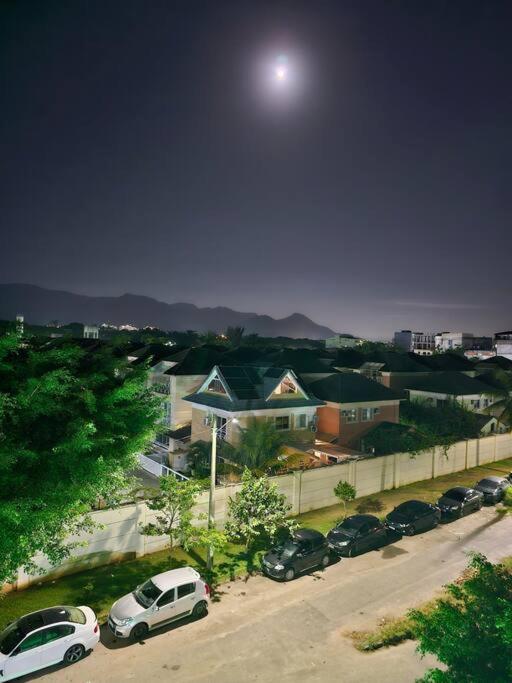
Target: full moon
point(281, 73)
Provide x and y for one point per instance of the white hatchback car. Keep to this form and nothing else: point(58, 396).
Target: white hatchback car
point(47, 637)
point(164, 598)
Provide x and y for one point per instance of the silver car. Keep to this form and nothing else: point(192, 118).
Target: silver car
point(164, 598)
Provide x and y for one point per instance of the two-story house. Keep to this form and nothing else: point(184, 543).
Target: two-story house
point(440, 387)
point(252, 393)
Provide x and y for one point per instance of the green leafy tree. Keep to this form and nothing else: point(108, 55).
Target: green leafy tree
point(257, 509)
point(199, 455)
point(71, 425)
point(174, 517)
point(345, 492)
point(259, 445)
point(470, 632)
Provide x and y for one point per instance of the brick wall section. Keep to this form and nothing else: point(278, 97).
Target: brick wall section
point(330, 421)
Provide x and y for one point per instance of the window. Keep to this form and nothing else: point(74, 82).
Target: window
point(301, 421)
point(282, 422)
point(366, 414)
point(216, 386)
point(349, 415)
point(186, 589)
point(286, 387)
point(166, 598)
point(167, 413)
point(56, 632)
point(32, 641)
point(162, 440)
point(222, 423)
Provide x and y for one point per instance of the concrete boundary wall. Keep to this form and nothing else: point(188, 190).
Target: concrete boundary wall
point(118, 536)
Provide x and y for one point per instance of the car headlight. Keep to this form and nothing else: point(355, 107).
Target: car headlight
point(279, 567)
point(454, 507)
point(341, 543)
point(125, 622)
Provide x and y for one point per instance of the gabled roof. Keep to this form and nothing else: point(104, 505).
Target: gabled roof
point(250, 388)
point(242, 355)
point(351, 387)
point(348, 358)
point(446, 362)
point(394, 361)
point(450, 383)
point(154, 353)
point(301, 361)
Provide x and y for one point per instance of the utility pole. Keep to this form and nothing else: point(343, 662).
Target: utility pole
point(213, 476)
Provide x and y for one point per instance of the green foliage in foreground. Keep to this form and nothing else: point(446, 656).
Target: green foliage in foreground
point(71, 424)
point(470, 631)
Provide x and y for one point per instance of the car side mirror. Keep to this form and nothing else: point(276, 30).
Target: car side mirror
point(15, 652)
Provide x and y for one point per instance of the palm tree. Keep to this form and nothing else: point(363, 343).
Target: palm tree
point(259, 444)
point(501, 390)
point(200, 454)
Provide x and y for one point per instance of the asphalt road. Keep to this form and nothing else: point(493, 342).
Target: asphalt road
point(295, 632)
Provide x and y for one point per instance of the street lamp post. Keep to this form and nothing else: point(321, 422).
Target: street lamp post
point(212, 421)
point(211, 501)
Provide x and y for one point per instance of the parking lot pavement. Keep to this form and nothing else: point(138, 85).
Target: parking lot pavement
point(262, 630)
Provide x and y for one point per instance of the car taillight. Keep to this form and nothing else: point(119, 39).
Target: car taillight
point(96, 627)
point(207, 589)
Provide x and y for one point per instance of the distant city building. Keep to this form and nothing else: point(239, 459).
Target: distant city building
point(448, 341)
point(342, 341)
point(128, 328)
point(422, 343)
point(91, 332)
point(503, 344)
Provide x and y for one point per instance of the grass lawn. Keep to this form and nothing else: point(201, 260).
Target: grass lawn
point(101, 586)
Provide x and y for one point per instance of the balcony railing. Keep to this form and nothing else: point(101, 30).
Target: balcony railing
point(161, 388)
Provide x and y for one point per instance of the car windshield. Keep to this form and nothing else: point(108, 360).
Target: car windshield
point(287, 549)
point(147, 593)
point(349, 527)
point(454, 494)
point(10, 638)
point(488, 482)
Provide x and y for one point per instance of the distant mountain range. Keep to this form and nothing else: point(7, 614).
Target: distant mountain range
point(40, 305)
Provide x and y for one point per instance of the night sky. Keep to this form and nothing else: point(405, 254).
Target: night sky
point(145, 148)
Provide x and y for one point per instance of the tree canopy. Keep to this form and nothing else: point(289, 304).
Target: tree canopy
point(259, 444)
point(257, 509)
point(470, 632)
point(71, 424)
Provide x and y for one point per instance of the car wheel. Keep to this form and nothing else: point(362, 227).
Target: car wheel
point(289, 575)
point(139, 631)
point(325, 561)
point(74, 654)
point(200, 610)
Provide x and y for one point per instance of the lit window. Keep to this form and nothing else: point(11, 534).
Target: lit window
point(286, 387)
point(366, 414)
point(349, 415)
point(216, 386)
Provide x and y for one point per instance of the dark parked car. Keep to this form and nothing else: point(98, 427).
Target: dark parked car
point(413, 516)
point(459, 501)
point(493, 488)
point(305, 549)
point(358, 534)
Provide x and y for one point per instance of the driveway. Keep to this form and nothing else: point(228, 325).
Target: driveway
point(263, 631)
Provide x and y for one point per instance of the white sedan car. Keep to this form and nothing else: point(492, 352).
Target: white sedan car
point(46, 637)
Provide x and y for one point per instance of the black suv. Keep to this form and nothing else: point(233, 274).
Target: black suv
point(493, 489)
point(359, 534)
point(305, 549)
point(459, 501)
point(413, 516)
